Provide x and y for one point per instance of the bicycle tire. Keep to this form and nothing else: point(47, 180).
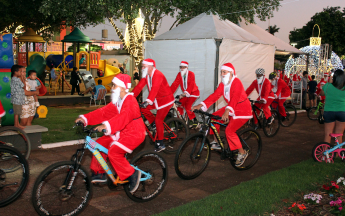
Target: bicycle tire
point(318, 151)
point(172, 144)
point(252, 144)
point(150, 188)
point(290, 117)
point(272, 129)
point(311, 113)
point(61, 198)
point(185, 157)
point(20, 141)
point(6, 177)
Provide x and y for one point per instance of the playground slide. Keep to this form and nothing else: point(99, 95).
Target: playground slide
point(38, 64)
point(110, 72)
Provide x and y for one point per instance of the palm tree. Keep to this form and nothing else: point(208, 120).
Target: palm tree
point(273, 29)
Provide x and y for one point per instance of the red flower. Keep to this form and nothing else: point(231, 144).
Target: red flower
point(326, 187)
point(335, 185)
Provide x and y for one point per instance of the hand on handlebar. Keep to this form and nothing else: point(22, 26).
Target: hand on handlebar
point(144, 105)
point(261, 101)
point(196, 107)
point(80, 120)
point(177, 97)
point(225, 116)
point(101, 128)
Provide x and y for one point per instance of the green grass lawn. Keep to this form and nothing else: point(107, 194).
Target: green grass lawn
point(60, 122)
point(266, 193)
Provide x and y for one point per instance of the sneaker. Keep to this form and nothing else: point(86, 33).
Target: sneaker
point(283, 118)
point(256, 126)
point(215, 146)
point(134, 181)
point(160, 146)
point(241, 158)
point(37, 104)
point(152, 127)
point(99, 178)
point(270, 120)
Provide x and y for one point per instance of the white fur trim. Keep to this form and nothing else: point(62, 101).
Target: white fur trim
point(195, 96)
point(264, 100)
point(227, 68)
point(84, 118)
point(118, 82)
point(2, 114)
point(242, 117)
point(183, 64)
point(232, 111)
point(148, 63)
point(107, 125)
point(271, 97)
point(121, 146)
point(129, 85)
point(149, 101)
point(204, 107)
point(187, 94)
point(116, 137)
point(165, 105)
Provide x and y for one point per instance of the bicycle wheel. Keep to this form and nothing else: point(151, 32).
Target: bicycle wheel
point(291, 115)
point(313, 113)
point(15, 137)
point(318, 151)
point(13, 183)
point(155, 165)
point(192, 157)
point(175, 131)
point(51, 197)
point(252, 144)
point(270, 130)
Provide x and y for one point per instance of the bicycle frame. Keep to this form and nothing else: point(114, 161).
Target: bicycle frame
point(319, 107)
point(254, 107)
point(334, 149)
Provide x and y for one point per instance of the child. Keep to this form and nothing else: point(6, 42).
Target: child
point(17, 92)
point(34, 84)
point(312, 91)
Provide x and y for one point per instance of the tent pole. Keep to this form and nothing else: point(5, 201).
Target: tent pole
point(216, 69)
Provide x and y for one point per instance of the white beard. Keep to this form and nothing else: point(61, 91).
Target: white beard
point(184, 71)
point(144, 72)
point(260, 80)
point(226, 79)
point(115, 95)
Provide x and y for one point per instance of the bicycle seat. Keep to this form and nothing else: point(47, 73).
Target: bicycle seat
point(335, 135)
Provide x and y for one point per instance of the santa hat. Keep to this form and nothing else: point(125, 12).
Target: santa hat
point(149, 62)
point(325, 74)
point(122, 80)
point(184, 63)
point(228, 67)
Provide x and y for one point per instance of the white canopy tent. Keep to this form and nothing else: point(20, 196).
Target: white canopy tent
point(282, 48)
point(207, 42)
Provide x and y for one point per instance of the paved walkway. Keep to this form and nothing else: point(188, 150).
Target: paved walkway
point(289, 146)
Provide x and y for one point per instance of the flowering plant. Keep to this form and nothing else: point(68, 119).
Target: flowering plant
point(312, 198)
point(341, 180)
point(337, 207)
point(297, 208)
point(332, 188)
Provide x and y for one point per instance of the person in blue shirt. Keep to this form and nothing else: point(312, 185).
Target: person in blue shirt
point(81, 61)
point(94, 89)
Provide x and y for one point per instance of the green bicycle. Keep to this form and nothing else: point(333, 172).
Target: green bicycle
point(316, 113)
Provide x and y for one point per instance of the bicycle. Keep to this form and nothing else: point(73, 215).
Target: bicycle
point(173, 112)
point(194, 153)
point(175, 131)
point(270, 130)
point(316, 113)
point(67, 185)
point(291, 114)
point(323, 151)
point(17, 138)
point(12, 181)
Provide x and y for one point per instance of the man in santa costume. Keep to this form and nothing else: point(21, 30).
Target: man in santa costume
point(281, 93)
point(160, 98)
point(186, 80)
point(237, 112)
point(125, 131)
point(322, 82)
point(263, 87)
point(2, 111)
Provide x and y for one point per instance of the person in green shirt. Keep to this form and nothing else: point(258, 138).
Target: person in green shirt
point(334, 111)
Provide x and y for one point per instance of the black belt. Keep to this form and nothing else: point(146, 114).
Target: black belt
point(242, 101)
point(136, 118)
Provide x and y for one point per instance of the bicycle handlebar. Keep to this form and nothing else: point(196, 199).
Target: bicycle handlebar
point(86, 130)
point(208, 114)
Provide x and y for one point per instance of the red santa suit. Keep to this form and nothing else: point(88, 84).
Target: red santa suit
point(189, 87)
point(282, 93)
point(286, 80)
point(2, 111)
point(265, 94)
point(322, 82)
point(160, 97)
point(240, 110)
point(125, 132)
